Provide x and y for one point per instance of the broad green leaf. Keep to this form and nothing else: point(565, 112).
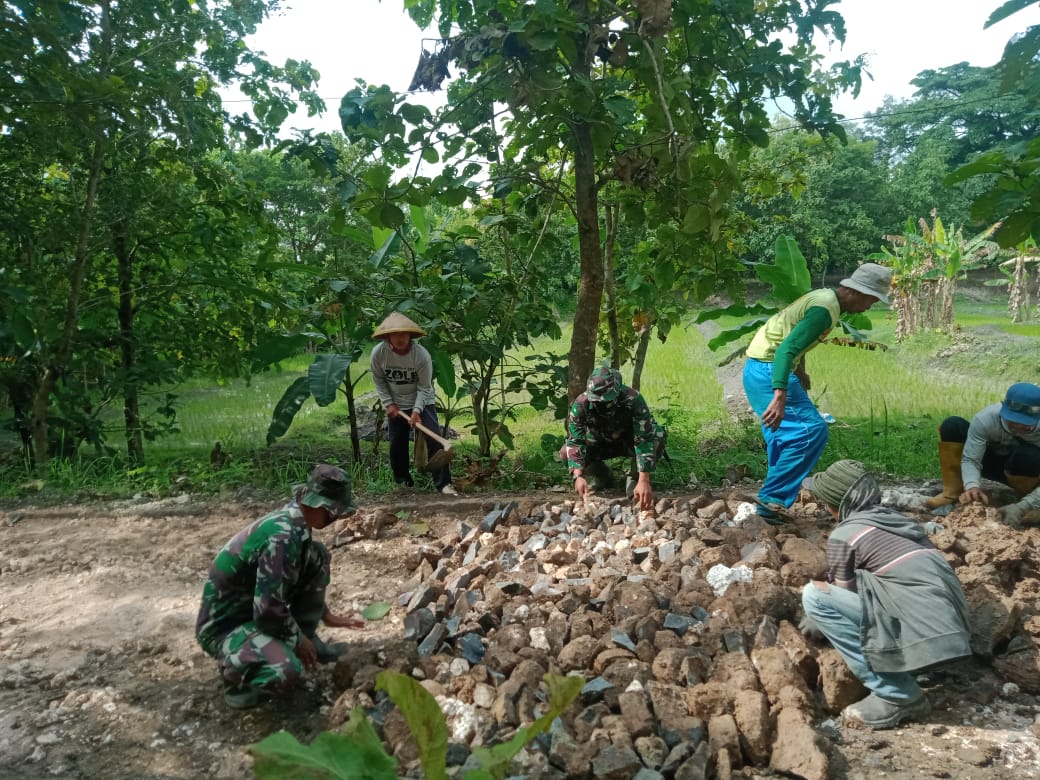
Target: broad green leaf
point(391, 216)
point(991, 162)
point(562, 692)
point(425, 720)
point(697, 219)
point(418, 214)
point(325, 375)
point(354, 754)
point(444, 371)
point(383, 239)
point(287, 407)
point(732, 334)
point(376, 611)
point(278, 347)
point(789, 276)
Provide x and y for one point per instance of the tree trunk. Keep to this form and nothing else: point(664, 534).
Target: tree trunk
point(56, 363)
point(640, 361)
point(355, 440)
point(610, 214)
point(582, 354)
point(127, 351)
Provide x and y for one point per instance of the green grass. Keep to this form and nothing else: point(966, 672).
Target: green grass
point(887, 405)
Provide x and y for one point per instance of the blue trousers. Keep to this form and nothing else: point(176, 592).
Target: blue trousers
point(793, 449)
point(838, 614)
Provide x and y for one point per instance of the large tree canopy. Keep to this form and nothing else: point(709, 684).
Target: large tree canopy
point(111, 113)
point(655, 98)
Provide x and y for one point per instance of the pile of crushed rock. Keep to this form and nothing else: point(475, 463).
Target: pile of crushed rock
point(681, 620)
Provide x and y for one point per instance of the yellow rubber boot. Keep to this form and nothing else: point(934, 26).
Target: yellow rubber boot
point(950, 464)
point(1022, 485)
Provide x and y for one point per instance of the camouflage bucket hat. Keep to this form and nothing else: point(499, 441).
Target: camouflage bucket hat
point(604, 385)
point(327, 486)
point(832, 484)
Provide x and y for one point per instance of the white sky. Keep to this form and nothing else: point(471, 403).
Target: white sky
point(376, 41)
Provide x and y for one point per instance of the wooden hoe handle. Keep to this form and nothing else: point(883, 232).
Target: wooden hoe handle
point(439, 439)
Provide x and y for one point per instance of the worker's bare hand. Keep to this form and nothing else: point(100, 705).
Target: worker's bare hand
point(581, 486)
point(416, 417)
point(643, 495)
point(306, 653)
point(346, 620)
point(392, 410)
point(972, 495)
point(774, 413)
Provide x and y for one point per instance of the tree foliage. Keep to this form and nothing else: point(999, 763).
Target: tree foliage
point(1011, 171)
point(637, 94)
point(115, 215)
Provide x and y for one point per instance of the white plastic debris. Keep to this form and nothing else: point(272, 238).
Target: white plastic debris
point(720, 577)
point(828, 418)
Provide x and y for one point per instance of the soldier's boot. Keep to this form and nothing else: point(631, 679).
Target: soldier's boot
point(597, 474)
point(243, 697)
point(328, 652)
point(950, 453)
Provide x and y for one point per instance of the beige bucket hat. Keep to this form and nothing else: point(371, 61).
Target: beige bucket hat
point(397, 323)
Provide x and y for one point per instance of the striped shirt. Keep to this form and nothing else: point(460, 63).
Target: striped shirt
point(871, 548)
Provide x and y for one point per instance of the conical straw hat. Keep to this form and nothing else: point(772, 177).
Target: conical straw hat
point(397, 323)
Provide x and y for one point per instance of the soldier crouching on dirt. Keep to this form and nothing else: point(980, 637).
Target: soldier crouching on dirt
point(611, 420)
point(891, 604)
point(266, 594)
point(1001, 443)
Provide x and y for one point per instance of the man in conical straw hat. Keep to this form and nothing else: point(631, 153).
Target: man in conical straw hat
point(403, 374)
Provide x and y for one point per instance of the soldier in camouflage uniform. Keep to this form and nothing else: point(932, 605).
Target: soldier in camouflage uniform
point(266, 594)
point(611, 420)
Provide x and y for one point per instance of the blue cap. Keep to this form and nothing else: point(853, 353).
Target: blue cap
point(1022, 404)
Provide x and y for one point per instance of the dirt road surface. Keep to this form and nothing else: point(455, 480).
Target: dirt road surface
point(100, 675)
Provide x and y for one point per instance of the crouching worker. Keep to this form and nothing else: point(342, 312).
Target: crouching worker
point(1001, 443)
point(266, 594)
point(891, 605)
point(610, 420)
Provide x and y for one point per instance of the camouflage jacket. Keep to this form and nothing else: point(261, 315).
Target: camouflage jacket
point(254, 578)
point(626, 422)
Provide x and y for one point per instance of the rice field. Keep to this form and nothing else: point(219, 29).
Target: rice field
point(886, 403)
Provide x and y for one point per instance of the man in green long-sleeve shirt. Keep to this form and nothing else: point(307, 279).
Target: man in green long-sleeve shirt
point(776, 382)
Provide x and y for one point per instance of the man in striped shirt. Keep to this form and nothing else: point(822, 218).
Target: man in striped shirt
point(891, 604)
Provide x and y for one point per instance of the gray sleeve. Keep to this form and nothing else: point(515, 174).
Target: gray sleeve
point(980, 432)
point(378, 368)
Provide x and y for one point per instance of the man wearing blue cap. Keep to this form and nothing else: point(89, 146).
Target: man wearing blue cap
point(1001, 443)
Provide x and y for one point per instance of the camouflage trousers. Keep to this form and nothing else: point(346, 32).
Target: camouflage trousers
point(249, 657)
